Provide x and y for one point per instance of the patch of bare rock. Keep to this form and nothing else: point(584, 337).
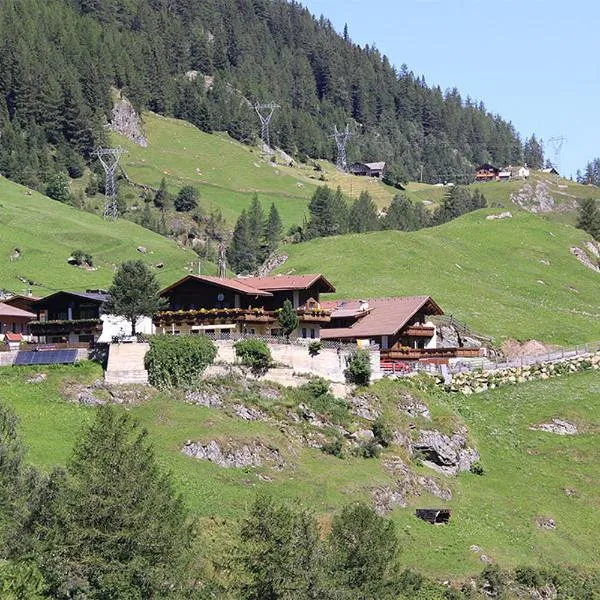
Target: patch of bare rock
point(514, 349)
point(557, 426)
point(545, 523)
point(413, 407)
point(364, 406)
point(125, 120)
point(445, 454)
point(100, 393)
point(38, 378)
point(584, 258)
point(234, 455)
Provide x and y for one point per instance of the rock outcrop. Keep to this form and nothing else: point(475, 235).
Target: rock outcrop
point(445, 454)
point(231, 455)
point(125, 120)
point(557, 426)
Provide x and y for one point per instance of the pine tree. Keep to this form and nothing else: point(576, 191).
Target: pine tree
point(162, 198)
point(240, 253)
point(402, 215)
point(533, 153)
point(589, 217)
point(121, 513)
point(363, 214)
point(256, 230)
point(288, 318)
point(134, 293)
point(273, 229)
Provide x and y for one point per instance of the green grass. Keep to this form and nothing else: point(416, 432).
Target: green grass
point(526, 471)
point(227, 173)
point(487, 273)
point(47, 232)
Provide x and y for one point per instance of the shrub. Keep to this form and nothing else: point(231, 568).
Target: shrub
point(320, 399)
point(178, 361)
point(80, 258)
point(382, 432)
point(255, 355)
point(358, 368)
point(369, 449)
point(314, 348)
point(477, 468)
point(335, 447)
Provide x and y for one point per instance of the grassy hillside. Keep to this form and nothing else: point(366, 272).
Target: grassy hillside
point(228, 173)
point(46, 232)
point(507, 278)
point(526, 472)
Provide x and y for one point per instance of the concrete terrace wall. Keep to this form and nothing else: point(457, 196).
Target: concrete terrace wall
point(329, 363)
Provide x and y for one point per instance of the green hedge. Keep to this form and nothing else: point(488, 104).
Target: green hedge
point(255, 355)
point(178, 361)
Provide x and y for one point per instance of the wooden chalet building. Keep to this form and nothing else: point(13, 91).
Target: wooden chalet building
point(376, 169)
point(79, 318)
point(222, 306)
point(69, 317)
point(14, 320)
point(401, 327)
point(487, 172)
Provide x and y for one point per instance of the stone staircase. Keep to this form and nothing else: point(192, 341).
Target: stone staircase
point(126, 364)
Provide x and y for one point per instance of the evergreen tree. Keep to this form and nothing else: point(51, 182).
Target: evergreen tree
point(162, 197)
point(273, 229)
point(187, 199)
point(328, 213)
point(281, 554)
point(589, 217)
point(363, 549)
point(363, 214)
point(402, 215)
point(58, 188)
point(240, 254)
point(533, 153)
point(256, 230)
point(122, 515)
point(288, 318)
point(134, 293)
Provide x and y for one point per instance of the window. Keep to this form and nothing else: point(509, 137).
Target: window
point(312, 334)
point(277, 332)
point(86, 339)
point(304, 332)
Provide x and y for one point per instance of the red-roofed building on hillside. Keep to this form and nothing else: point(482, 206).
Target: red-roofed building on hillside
point(401, 327)
point(222, 306)
point(14, 320)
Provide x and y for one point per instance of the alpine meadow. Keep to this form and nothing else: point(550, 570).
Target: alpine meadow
point(280, 319)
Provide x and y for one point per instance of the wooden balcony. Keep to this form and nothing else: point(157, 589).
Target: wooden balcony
point(420, 331)
point(428, 353)
point(79, 326)
point(218, 316)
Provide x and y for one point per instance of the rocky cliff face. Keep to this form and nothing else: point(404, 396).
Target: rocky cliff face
point(125, 120)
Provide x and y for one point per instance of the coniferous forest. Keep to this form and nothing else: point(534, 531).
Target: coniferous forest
point(207, 61)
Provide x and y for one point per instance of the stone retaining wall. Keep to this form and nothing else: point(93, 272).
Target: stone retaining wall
point(476, 382)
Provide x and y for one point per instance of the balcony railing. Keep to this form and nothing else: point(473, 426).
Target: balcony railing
point(43, 328)
point(419, 331)
point(215, 316)
point(423, 353)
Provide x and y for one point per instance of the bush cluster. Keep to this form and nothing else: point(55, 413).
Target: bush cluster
point(255, 355)
point(358, 368)
point(178, 361)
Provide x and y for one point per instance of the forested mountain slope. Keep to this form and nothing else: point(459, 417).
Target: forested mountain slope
point(206, 62)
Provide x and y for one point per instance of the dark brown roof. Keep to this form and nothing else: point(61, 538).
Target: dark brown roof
point(236, 285)
point(288, 282)
point(385, 316)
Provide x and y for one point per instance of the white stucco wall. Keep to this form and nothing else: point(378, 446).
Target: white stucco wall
point(117, 326)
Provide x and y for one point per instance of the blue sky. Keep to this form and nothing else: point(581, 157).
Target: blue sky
point(535, 63)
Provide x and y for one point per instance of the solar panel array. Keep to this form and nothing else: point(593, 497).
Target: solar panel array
point(46, 357)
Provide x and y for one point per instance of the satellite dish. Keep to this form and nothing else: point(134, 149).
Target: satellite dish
point(221, 297)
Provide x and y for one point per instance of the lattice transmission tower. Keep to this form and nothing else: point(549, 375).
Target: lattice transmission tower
point(222, 262)
point(109, 159)
point(556, 144)
point(341, 139)
point(265, 114)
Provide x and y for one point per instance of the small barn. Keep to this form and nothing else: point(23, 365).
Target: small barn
point(375, 169)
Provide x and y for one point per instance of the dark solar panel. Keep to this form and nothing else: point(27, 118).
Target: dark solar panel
point(46, 357)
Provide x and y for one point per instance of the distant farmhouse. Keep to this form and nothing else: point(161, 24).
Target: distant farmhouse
point(550, 171)
point(488, 172)
point(375, 169)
